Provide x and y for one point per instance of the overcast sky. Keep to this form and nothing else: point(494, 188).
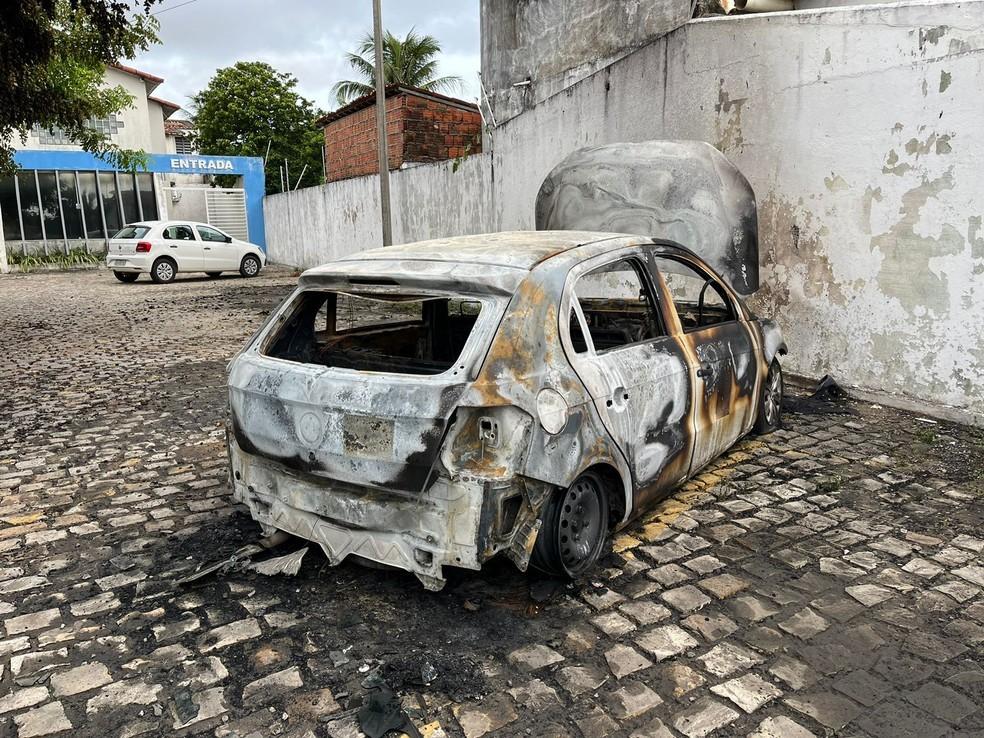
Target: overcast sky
point(306, 38)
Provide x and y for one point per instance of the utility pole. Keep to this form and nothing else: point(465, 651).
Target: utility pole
point(384, 182)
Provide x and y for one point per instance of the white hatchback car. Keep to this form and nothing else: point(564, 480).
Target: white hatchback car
point(163, 248)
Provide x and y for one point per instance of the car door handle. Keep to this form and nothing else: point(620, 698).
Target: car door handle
point(705, 371)
point(207, 248)
point(173, 245)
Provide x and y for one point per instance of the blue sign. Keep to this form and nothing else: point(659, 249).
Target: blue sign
point(250, 168)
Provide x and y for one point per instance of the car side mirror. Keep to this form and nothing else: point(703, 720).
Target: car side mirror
point(228, 239)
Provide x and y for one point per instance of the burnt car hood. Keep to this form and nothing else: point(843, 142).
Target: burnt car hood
point(682, 191)
point(353, 427)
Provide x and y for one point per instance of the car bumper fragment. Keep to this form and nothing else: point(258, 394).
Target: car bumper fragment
point(453, 523)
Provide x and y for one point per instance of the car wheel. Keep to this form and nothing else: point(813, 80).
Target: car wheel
point(164, 270)
point(574, 528)
point(770, 405)
point(250, 266)
point(126, 276)
point(213, 275)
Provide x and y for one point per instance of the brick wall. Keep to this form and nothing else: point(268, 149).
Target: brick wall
point(418, 129)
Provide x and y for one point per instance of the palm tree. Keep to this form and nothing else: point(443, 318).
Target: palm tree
point(409, 61)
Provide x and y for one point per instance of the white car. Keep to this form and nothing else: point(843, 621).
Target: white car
point(163, 248)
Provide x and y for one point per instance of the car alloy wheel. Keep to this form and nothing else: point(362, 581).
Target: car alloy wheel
point(163, 271)
point(250, 266)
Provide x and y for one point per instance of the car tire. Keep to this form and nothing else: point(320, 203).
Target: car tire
point(126, 276)
point(250, 266)
point(213, 275)
point(164, 270)
point(574, 528)
point(770, 401)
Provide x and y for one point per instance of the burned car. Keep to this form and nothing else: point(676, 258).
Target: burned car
point(438, 403)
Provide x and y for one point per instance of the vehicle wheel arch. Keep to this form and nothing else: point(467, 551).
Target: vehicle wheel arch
point(617, 488)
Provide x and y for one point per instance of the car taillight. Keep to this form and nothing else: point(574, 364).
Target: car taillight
point(143, 247)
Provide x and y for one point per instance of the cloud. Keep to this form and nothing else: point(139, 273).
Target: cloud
point(305, 38)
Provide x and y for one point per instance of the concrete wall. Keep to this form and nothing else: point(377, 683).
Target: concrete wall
point(314, 225)
point(859, 129)
point(555, 43)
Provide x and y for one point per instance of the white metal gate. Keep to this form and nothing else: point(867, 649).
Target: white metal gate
point(225, 208)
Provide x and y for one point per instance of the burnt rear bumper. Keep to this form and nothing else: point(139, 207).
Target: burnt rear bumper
point(453, 523)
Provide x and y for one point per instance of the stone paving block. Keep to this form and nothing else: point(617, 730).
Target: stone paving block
point(723, 586)
point(273, 685)
point(942, 702)
point(602, 598)
point(534, 656)
point(804, 624)
point(898, 719)
point(20, 697)
point(862, 686)
point(625, 660)
point(198, 709)
point(535, 696)
point(972, 573)
point(749, 692)
point(232, 633)
point(41, 721)
point(869, 594)
point(31, 621)
point(750, 607)
point(703, 717)
point(780, 726)
point(686, 598)
point(794, 673)
point(631, 700)
point(827, 708)
point(669, 574)
point(580, 679)
point(645, 612)
point(665, 641)
point(595, 722)
point(727, 658)
point(613, 624)
point(122, 694)
point(652, 729)
point(711, 625)
point(80, 679)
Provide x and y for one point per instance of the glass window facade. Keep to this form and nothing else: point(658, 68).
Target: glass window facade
point(27, 189)
point(110, 201)
point(9, 209)
point(38, 205)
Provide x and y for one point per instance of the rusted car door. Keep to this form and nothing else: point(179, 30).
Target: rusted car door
point(636, 373)
point(720, 351)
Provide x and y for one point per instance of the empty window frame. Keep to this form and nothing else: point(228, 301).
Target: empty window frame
point(616, 306)
point(393, 333)
point(699, 299)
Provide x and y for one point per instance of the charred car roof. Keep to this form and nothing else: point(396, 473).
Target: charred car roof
point(488, 262)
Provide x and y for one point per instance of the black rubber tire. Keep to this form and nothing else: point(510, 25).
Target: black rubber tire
point(213, 275)
point(126, 276)
point(250, 266)
point(558, 549)
point(769, 416)
point(164, 270)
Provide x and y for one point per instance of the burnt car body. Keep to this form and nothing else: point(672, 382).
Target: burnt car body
point(439, 403)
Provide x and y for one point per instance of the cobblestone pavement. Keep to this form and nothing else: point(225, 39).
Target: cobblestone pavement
point(826, 579)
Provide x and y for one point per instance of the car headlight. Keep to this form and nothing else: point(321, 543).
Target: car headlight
point(552, 410)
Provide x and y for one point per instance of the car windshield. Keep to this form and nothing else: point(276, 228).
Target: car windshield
point(134, 230)
point(404, 334)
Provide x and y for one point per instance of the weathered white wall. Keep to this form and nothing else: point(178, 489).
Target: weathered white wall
point(555, 43)
point(313, 225)
point(860, 130)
